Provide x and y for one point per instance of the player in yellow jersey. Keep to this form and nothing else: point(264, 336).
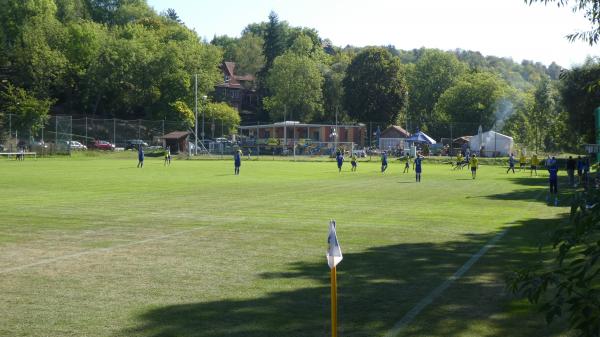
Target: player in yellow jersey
point(534, 164)
point(474, 164)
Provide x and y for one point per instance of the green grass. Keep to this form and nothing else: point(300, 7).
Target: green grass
point(92, 246)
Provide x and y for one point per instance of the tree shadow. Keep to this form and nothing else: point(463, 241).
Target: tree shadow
point(376, 288)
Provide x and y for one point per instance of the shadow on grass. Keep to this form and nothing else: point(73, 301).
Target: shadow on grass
point(376, 288)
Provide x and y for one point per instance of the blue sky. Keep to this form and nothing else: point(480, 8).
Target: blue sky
point(505, 28)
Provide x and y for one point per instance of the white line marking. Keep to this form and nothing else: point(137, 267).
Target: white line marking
point(409, 316)
point(94, 251)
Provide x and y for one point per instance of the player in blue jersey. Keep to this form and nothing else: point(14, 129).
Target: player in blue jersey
point(384, 162)
point(237, 161)
point(553, 180)
point(140, 156)
point(340, 160)
point(418, 168)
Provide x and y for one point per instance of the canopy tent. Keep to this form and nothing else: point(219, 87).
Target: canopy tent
point(420, 137)
point(491, 143)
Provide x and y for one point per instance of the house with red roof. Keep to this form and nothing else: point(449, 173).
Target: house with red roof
point(239, 91)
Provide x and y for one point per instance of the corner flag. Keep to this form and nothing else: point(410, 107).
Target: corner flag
point(334, 252)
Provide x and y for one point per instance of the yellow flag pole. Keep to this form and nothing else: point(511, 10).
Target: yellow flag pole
point(333, 303)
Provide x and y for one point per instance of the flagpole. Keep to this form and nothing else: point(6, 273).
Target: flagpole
point(333, 302)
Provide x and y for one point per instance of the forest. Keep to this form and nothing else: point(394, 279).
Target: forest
point(122, 59)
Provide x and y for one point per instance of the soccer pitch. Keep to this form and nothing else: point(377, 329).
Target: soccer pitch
point(96, 247)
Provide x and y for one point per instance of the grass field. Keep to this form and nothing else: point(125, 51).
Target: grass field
point(95, 247)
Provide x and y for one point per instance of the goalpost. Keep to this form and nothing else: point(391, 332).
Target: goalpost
point(320, 149)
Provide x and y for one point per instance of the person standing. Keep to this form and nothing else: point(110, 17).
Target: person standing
point(168, 156)
point(474, 164)
point(353, 162)
point(140, 156)
point(384, 163)
point(579, 169)
point(237, 161)
point(534, 164)
point(553, 180)
point(418, 168)
point(522, 161)
point(571, 171)
point(511, 163)
point(407, 165)
point(340, 161)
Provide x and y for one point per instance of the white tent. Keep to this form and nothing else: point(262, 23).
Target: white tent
point(492, 143)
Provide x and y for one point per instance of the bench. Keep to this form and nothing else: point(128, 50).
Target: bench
point(9, 154)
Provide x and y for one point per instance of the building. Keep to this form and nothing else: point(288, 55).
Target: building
point(291, 132)
point(177, 141)
point(237, 90)
point(393, 138)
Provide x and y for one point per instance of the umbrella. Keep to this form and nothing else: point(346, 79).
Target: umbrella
point(420, 137)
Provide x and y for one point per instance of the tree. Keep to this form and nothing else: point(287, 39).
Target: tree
point(274, 41)
point(434, 72)
point(472, 101)
point(248, 54)
point(542, 113)
point(171, 14)
point(333, 89)
point(221, 114)
point(569, 284)
point(296, 84)
point(591, 8)
point(29, 112)
point(580, 95)
point(374, 87)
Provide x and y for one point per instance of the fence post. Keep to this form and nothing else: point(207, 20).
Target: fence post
point(114, 131)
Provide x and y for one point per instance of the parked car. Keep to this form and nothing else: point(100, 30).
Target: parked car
point(75, 145)
point(133, 144)
point(103, 145)
point(359, 153)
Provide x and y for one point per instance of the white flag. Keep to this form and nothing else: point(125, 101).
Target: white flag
point(334, 252)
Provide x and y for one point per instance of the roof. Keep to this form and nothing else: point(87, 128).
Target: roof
point(461, 140)
point(233, 79)
point(395, 129)
point(176, 135)
point(298, 125)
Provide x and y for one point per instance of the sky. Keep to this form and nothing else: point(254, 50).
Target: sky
point(503, 28)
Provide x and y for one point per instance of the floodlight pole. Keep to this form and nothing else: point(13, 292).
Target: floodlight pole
point(335, 138)
point(196, 113)
point(284, 128)
point(203, 108)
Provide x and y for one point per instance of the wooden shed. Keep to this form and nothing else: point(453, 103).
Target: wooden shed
point(177, 141)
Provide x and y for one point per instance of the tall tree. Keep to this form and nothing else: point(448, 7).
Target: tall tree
point(591, 10)
point(580, 93)
point(248, 54)
point(296, 83)
point(434, 72)
point(374, 87)
point(472, 101)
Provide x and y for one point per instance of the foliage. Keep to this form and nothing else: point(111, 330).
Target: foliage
point(296, 84)
point(247, 54)
point(184, 113)
point(29, 113)
point(591, 9)
point(223, 114)
point(472, 100)
point(569, 285)
point(375, 86)
point(434, 72)
point(580, 95)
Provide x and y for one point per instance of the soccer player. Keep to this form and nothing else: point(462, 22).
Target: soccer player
point(534, 164)
point(522, 161)
point(418, 168)
point(553, 180)
point(474, 164)
point(237, 161)
point(340, 161)
point(353, 162)
point(168, 156)
point(384, 163)
point(579, 169)
point(407, 165)
point(511, 163)
point(459, 160)
point(571, 171)
point(140, 156)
